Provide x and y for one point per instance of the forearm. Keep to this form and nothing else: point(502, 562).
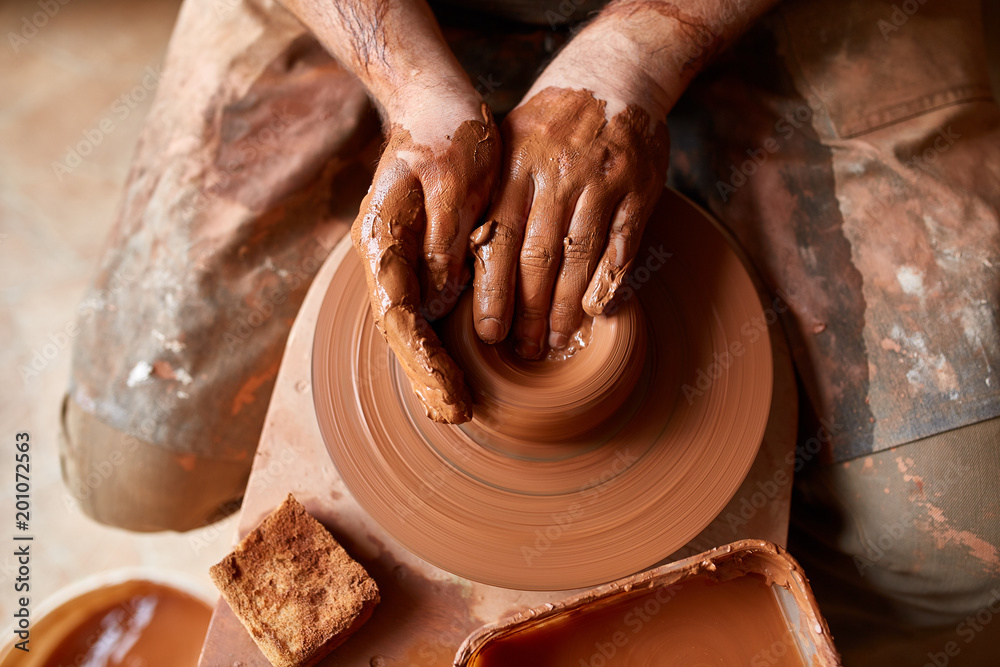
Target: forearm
point(394, 47)
point(648, 51)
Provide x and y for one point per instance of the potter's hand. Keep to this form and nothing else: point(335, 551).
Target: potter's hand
point(412, 233)
point(586, 154)
point(432, 183)
point(581, 177)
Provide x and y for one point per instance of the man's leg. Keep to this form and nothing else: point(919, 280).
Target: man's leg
point(854, 152)
point(902, 551)
point(249, 170)
point(251, 167)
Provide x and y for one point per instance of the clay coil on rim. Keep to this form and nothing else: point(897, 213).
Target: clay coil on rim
point(558, 513)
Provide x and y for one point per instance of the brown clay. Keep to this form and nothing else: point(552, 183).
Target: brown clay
point(571, 396)
point(411, 235)
point(131, 623)
point(543, 515)
point(701, 622)
point(564, 228)
point(745, 603)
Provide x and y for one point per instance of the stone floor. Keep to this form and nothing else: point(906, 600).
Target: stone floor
point(59, 86)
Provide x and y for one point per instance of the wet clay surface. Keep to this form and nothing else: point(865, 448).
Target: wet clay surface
point(698, 622)
point(745, 603)
point(407, 234)
point(132, 623)
point(543, 516)
point(425, 612)
point(571, 397)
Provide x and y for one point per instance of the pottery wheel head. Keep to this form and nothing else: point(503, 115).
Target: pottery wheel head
point(574, 471)
point(572, 395)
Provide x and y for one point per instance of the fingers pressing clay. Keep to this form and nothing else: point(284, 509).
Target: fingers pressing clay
point(616, 262)
point(538, 266)
point(582, 165)
point(397, 241)
point(581, 251)
point(443, 254)
point(387, 236)
point(496, 245)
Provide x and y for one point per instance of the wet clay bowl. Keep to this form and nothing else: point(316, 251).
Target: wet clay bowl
point(746, 603)
point(572, 397)
point(131, 616)
point(559, 514)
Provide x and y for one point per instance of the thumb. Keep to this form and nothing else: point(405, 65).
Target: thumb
point(387, 236)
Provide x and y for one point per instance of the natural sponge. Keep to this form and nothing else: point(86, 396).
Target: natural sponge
point(295, 590)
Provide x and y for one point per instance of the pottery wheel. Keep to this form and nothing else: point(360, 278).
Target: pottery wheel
point(488, 502)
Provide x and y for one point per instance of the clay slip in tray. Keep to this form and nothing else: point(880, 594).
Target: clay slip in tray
point(746, 603)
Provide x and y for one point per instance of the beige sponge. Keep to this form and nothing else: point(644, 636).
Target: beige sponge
point(295, 590)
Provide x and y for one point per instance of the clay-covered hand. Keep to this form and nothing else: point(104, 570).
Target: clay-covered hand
point(582, 174)
point(412, 235)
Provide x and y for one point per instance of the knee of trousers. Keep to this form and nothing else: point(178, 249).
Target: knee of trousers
point(121, 480)
point(913, 525)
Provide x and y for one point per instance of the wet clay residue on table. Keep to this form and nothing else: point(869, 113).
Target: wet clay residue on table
point(581, 508)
